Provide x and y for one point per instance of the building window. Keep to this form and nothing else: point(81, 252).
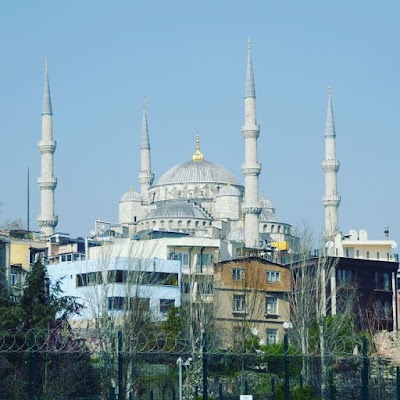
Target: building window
point(238, 304)
point(367, 254)
point(237, 274)
point(382, 281)
point(347, 252)
point(183, 258)
point(273, 276)
point(13, 279)
point(165, 305)
point(116, 303)
point(271, 305)
point(344, 275)
point(272, 336)
point(377, 255)
point(358, 253)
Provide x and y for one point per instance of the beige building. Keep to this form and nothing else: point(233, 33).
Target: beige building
point(252, 295)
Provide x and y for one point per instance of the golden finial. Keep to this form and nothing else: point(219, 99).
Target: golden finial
point(197, 156)
point(228, 183)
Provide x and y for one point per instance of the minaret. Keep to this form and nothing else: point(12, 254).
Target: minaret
point(330, 165)
point(145, 176)
point(47, 220)
point(251, 168)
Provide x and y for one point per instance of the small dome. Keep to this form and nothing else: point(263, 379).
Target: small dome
point(235, 235)
point(229, 191)
point(176, 209)
point(131, 196)
point(200, 171)
point(265, 203)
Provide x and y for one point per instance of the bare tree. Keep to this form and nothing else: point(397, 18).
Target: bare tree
point(322, 309)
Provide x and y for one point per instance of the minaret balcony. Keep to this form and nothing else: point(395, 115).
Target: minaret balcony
point(47, 183)
point(251, 210)
point(330, 165)
point(251, 169)
point(47, 220)
point(331, 200)
point(251, 131)
point(47, 146)
point(146, 177)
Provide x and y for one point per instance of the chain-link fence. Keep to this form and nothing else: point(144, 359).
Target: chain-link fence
point(93, 364)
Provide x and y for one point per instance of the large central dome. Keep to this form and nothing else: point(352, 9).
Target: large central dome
point(197, 171)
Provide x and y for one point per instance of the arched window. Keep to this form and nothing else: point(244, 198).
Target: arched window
point(204, 223)
point(154, 223)
point(162, 225)
point(196, 224)
point(265, 228)
point(170, 224)
point(179, 224)
point(147, 225)
point(189, 224)
point(279, 229)
point(272, 228)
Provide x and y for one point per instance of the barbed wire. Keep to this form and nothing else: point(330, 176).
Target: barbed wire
point(94, 341)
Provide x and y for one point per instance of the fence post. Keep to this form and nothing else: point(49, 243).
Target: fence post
point(173, 393)
point(246, 387)
point(398, 382)
point(365, 370)
point(272, 388)
point(220, 395)
point(120, 368)
point(301, 380)
point(205, 366)
point(32, 366)
point(112, 393)
point(196, 392)
point(286, 360)
point(151, 395)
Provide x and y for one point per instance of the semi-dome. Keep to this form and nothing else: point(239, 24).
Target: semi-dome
point(268, 216)
point(176, 209)
point(131, 196)
point(229, 190)
point(235, 235)
point(197, 171)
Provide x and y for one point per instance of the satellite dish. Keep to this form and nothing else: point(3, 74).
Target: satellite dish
point(287, 325)
point(329, 244)
point(254, 331)
point(394, 245)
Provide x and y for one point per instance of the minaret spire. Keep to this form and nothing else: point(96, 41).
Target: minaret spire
point(47, 220)
point(330, 165)
point(146, 177)
point(251, 168)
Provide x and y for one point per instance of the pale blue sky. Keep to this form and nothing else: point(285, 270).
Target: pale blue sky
point(188, 59)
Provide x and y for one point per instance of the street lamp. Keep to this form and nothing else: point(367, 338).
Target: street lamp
point(180, 363)
point(286, 327)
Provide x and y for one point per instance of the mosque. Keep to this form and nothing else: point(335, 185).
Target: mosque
point(201, 199)
point(198, 198)
point(204, 199)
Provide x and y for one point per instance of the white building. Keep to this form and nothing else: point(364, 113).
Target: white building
point(109, 284)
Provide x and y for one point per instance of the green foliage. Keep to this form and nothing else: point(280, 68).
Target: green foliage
point(61, 363)
point(299, 393)
point(274, 358)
